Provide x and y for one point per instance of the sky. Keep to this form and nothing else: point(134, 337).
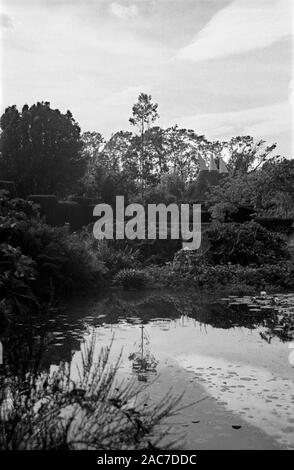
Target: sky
point(221, 67)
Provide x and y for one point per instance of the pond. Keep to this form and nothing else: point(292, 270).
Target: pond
point(231, 357)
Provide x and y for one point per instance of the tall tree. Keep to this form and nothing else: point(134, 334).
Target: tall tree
point(144, 113)
point(41, 149)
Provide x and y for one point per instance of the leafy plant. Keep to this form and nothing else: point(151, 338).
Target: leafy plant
point(243, 244)
point(116, 256)
point(60, 258)
point(16, 275)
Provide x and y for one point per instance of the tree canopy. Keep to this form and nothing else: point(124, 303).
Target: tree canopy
point(40, 149)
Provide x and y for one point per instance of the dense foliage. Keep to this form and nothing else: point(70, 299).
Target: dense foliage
point(224, 278)
point(39, 263)
point(131, 279)
point(247, 243)
point(40, 149)
point(267, 188)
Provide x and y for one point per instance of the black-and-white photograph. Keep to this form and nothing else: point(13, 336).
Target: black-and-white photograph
point(146, 229)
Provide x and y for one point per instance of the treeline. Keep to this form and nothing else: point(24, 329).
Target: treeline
point(44, 152)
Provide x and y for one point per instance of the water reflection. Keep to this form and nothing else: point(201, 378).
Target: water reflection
point(143, 362)
point(270, 316)
point(236, 348)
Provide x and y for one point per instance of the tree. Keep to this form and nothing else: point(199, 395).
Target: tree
point(156, 154)
point(168, 190)
point(247, 155)
point(41, 149)
point(275, 186)
point(144, 114)
point(232, 192)
point(256, 179)
point(111, 166)
point(181, 153)
point(92, 144)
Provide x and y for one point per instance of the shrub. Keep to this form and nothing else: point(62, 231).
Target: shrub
point(247, 243)
point(62, 260)
point(281, 274)
point(152, 251)
point(131, 279)
point(17, 272)
point(18, 208)
point(189, 269)
point(116, 256)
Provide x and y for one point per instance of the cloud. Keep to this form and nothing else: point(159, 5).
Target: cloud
point(5, 21)
point(268, 122)
point(124, 12)
point(242, 26)
point(125, 97)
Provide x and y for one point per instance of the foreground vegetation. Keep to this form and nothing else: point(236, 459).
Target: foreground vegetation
point(53, 411)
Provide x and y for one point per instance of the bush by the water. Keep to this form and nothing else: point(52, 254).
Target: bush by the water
point(131, 279)
point(231, 256)
point(17, 274)
point(227, 277)
point(115, 256)
point(61, 260)
point(247, 243)
point(157, 251)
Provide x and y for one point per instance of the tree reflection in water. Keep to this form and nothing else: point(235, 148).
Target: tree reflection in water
point(144, 363)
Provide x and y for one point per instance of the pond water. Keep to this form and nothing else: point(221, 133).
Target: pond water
point(231, 357)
